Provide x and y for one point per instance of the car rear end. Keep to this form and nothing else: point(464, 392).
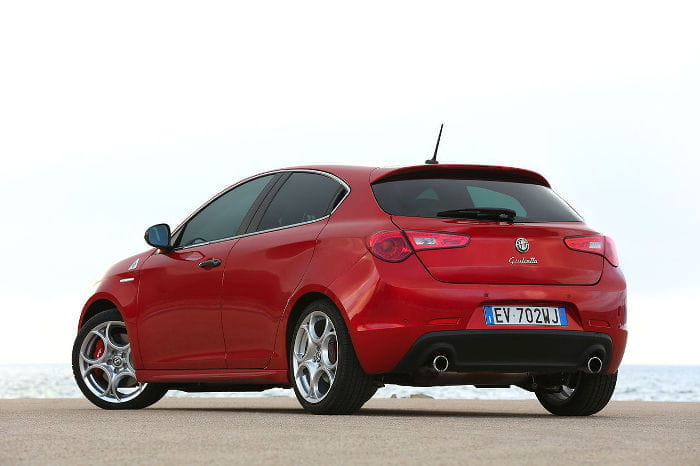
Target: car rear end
point(487, 277)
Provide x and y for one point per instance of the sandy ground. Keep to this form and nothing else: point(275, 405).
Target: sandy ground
point(394, 431)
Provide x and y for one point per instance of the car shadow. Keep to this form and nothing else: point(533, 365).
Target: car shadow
point(373, 412)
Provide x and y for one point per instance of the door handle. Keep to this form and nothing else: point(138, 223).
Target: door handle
point(210, 263)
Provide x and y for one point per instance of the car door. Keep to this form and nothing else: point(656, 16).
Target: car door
point(265, 267)
point(180, 291)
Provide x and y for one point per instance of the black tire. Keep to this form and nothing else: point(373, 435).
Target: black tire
point(591, 393)
point(149, 395)
point(351, 388)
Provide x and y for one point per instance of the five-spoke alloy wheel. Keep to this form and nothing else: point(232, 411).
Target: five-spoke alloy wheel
point(106, 365)
point(103, 365)
point(325, 372)
point(315, 356)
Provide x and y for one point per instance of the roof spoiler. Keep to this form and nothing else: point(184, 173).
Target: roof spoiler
point(487, 172)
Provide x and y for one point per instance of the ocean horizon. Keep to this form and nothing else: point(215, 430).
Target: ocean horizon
point(634, 383)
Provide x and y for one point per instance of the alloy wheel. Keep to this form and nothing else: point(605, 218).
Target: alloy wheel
point(315, 357)
point(106, 364)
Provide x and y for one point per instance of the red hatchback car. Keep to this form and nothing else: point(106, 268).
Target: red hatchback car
point(337, 279)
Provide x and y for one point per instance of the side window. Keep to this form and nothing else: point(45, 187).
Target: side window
point(303, 197)
point(222, 217)
point(482, 197)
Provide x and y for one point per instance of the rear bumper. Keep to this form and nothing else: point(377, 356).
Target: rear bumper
point(390, 307)
point(534, 351)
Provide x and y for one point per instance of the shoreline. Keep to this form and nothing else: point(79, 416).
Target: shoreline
point(258, 395)
point(390, 430)
point(634, 383)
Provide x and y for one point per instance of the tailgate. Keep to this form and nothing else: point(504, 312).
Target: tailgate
point(492, 256)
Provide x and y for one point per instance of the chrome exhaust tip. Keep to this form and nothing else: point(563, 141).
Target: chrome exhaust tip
point(440, 363)
point(594, 365)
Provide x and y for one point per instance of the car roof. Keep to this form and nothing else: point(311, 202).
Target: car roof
point(375, 174)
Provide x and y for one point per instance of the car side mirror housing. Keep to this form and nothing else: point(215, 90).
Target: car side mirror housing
point(158, 236)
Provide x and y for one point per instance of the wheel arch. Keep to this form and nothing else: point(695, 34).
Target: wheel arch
point(95, 307)
point(350, 292)
point(101, 302)
point(299, 305)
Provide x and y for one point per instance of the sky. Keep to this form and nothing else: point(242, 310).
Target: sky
point(114, 117)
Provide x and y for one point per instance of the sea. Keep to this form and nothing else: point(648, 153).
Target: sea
point(638, 383)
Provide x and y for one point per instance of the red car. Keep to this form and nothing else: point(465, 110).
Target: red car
point(337, 279)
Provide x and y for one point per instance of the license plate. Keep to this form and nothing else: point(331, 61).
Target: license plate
point(525, 315)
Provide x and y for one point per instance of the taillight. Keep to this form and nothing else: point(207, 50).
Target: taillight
point(430, 240)
point(611, 251)
point(594, 244)
point(393, 246)
point(598, 244)
point(390, 246)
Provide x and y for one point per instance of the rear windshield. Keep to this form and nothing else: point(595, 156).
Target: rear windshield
point(427, 196)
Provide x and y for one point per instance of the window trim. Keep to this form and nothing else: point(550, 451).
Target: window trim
point(267, 199)
point(176, 235)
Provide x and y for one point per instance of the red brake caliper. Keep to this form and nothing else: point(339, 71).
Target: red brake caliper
point(97, 353)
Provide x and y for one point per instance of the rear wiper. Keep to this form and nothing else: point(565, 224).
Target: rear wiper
point(490, 213)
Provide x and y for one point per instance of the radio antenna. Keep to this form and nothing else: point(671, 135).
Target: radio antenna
point(434, 159)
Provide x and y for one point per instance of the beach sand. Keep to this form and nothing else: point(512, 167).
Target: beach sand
point(394, 431)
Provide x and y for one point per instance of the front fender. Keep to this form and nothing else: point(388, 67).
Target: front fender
point(119, 286)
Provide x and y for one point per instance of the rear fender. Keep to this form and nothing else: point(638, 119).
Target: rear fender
point(381, 318)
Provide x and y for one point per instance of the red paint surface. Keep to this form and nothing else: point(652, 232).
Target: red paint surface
point(230, 323)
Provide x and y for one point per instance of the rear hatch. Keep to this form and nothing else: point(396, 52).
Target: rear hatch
point(523, 244)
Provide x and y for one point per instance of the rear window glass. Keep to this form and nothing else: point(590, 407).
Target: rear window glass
point(426, 197)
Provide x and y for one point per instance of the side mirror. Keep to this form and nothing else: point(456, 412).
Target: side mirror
point(158, 236)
